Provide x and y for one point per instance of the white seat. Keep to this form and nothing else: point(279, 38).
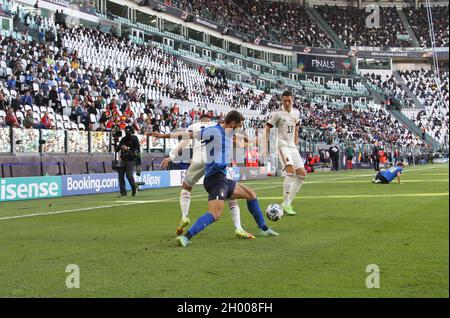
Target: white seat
point(81, 126)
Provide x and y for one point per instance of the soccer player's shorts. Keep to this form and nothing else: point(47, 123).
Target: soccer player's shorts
point(219, 187)
point(193, 175)
point(291, 157)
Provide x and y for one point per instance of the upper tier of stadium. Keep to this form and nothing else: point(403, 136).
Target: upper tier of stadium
point(294, 23)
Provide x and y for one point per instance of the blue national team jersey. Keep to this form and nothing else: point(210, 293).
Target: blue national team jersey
point(391, 173)
point(219, 146)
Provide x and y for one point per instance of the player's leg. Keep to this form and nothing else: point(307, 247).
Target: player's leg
point(215, 209)
point(243, 192)
point(288, 167)
point(235, 213)
point(300, 176)
point(377, 178)
point(217, 189)
point(193, 175)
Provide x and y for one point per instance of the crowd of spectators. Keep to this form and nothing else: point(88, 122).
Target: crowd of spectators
point(434, 118)
point(418, 19)
point(287, 21)
point(391, 89)
point(225, 13)
point(350, 25)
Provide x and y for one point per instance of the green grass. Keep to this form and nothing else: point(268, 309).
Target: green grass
point(344, 224)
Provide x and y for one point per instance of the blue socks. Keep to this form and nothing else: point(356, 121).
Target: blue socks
point(255, 210)
point(201, 224)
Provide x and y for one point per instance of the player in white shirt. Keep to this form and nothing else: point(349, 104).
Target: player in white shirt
point(287, 123)
point(193, 175)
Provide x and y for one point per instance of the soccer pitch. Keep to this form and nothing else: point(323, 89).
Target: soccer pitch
point(127, 247)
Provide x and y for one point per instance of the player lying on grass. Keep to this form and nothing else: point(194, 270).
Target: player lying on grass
point(193, 175)
point(387, 176)
point(287, 123)
point(219, 141)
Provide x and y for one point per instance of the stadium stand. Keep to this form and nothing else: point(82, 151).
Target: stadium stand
point(419, 23)
point(349, 23)
point(83, 79)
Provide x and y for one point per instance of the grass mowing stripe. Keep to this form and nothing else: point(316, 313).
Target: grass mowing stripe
point(363, 196)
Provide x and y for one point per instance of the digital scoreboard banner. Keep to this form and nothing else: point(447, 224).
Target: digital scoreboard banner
point(323, 63)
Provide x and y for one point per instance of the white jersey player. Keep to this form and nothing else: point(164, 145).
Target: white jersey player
point(287, 123)
point(193, 175)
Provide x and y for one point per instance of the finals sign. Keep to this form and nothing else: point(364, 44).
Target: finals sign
point(322, 63)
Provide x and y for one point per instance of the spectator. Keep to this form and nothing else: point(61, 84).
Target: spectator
point(3, 101)
point(11, 119)
point(47, 122)
point(26, 99)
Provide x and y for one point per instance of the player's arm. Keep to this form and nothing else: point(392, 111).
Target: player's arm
point(178, 135)
point(297, 129)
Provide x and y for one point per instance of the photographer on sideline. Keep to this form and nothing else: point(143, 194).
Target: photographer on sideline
point(130, 150)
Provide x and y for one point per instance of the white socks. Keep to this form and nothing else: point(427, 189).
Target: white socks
point(287, 184)
point(295, 187)
point(185, 202)
point(235, 212)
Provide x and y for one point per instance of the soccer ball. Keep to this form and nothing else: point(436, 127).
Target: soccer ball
point(274, 212)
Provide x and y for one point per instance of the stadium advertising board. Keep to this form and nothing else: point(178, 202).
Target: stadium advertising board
point(89, 184)
point(26, 140)
point(5, 140)
point(16, 189)
point(109, 182)
point(154, 180)
point(77, 141)
point(323, 64)
point(252, 173)
point(54, 141)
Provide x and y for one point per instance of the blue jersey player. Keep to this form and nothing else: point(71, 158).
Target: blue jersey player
point(387, 176)
point(219, 142)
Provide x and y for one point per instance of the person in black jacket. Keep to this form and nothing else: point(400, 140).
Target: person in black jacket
point(376, 157)
point(130, 150)
point(334, 154)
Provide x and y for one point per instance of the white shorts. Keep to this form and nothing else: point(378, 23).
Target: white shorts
point(193, 175)
point(291, 157)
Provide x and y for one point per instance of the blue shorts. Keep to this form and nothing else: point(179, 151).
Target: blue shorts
point(219, 187)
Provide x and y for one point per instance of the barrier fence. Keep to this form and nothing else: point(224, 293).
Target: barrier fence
point(45, 187)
